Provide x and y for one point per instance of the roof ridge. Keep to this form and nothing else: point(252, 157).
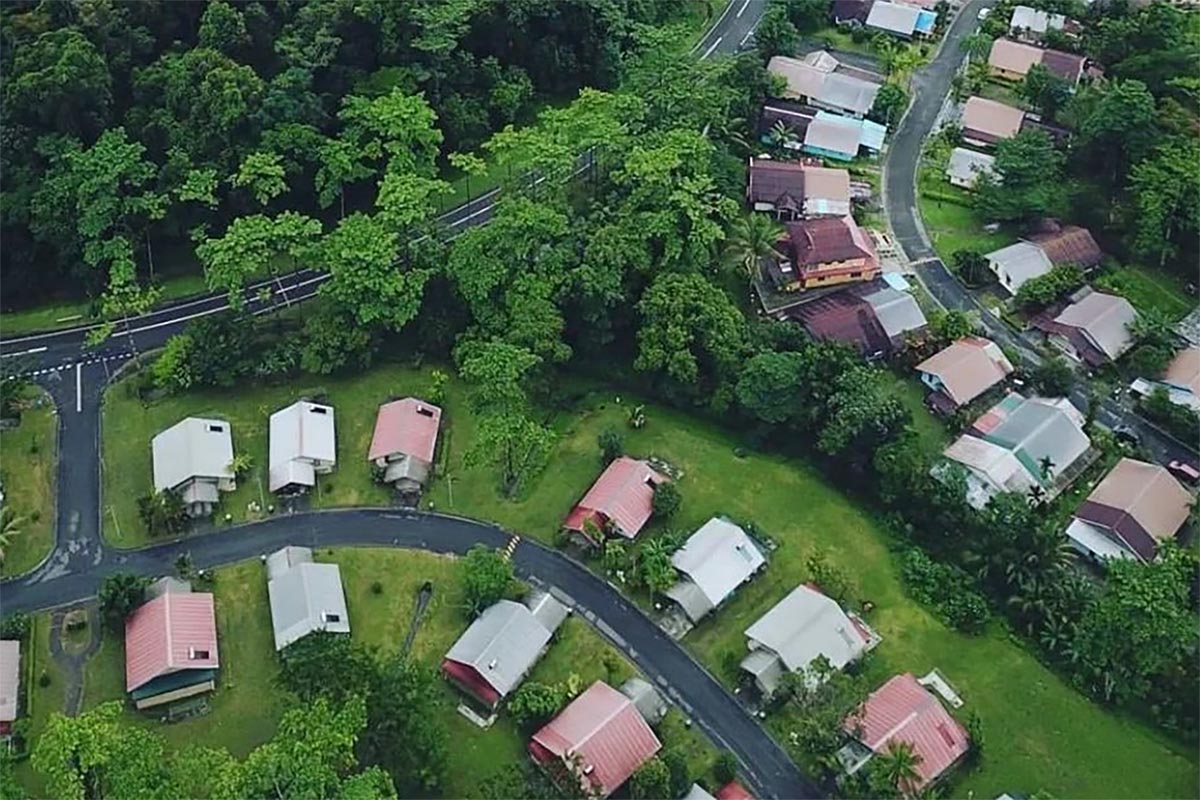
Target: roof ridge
point(618, 709)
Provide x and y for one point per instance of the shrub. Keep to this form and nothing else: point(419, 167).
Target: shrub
point(376, 587)
point(14, 625)
point(946, 590)
point(44, 680)
point(725, 767)
point(666, 500)
point(535, 703)
point(1046, 289)
point(611, 445)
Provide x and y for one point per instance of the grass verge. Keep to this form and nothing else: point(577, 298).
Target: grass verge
point(27, 473)
point(1147, 288)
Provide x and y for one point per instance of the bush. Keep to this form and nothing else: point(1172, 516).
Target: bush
point(14, 625)
point(612, 445)
point(666, 500)
point(44, 680)
point(376, 587)
point(946, 590)
point(725, 767)
point(1046, 289)
point(163, 513)
point(1180, 421)
point(535, 703)
point(1053, 377)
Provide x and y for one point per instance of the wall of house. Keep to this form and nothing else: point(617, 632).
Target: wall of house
point(835, 273)
point(1005, 74)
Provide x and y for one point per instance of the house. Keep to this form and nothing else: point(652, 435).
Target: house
point(851, 13)
point(404, 442)
point(872, 318)
point(798, 629)
point(825, 252)
point(171, 646)
point(819, 80)
point(646, 699)
point(986, 122)
point(962, 371)
point(842, 138)
point(898, 19)
point(1181, 381)
point(714, 562)
point(1127, 515)
point(698, 792)
point(619, 503)
point(10, 684)
point(304, 596)
point(1022, 445)
point(734, 791)
point(302, 446)
point(793, 191)
point(902, 710)
point(600, 737)
point(1055, 246)
point(1012, 61)
point(1094, 329)
point(499, 648)
point(1029, 24)
point(965, 166)
point(787, 119)
point(194, 459)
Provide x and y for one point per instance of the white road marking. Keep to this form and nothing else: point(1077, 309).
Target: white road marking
point(742, 10)
point(25, 352)
point(78, 388)
point(749, 33)
point(712, 47)
point(717, 24)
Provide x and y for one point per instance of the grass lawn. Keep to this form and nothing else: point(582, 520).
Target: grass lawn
point(248, 704)
point(950, 220)
point(40, 701)
point(27, 472)
point(1146, 288)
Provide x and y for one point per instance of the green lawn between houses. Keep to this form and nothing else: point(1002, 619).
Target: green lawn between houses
point(27, 459)
point(950, 219)
point(1040, 733)
point(248, 703)
point(1146, 288)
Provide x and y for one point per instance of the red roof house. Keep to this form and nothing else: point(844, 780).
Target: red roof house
point(619, 501)
point(825, 252)
point(902, 710)
point(601, 736)
point(175, 631)
point(733, 791)
point(405, 438)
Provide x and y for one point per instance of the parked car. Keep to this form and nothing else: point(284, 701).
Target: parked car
point(1126, 434)
point(1185, 472)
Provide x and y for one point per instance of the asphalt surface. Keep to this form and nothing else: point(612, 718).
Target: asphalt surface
point(75, 376)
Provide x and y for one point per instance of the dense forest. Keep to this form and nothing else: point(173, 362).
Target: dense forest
point(132, 128)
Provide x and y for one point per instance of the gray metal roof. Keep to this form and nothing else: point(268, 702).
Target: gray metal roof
point(546, 610)
point(893, 17)
point(502, 645)
point(807, 624)
point(691, 599)
point(307, 597)
point(896, 311)
point(285, 558)
point(10, 678)
point(766, 667)
point(1039, 429)
point(301, 435)
point(845, 91)
point(697, 792)
point(192, 448)
point(168, 584)
point(717, 558)
point(968, 165)
point(1019, 262)
point(646, 699)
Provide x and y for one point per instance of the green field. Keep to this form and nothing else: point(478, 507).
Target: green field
point(27, 459)
point(947, 212)
point(1147, 288)
point(248, 703)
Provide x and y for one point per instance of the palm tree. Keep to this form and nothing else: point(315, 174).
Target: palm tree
point(1046, 465)
point(10, 529)
point(780, 136)
point(752, 239)
point(899, 765)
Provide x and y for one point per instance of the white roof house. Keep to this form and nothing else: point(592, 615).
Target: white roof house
point(898, 18)
point(715, 560)
point(195, 458)
point(799, 628)
point(1017, 263)
point(897, 311)
point(965, 166)
point(1028, 21)
point(302, 445)
point(10, 678)
point(304, 596)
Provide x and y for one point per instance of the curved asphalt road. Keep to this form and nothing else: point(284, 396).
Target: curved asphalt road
point(75, 378)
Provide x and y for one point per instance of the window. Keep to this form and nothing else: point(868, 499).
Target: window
point(319, 410)
point(425, 412)
point(329, 616)
point(216, 428)
point(855, 274)
point(196, 654)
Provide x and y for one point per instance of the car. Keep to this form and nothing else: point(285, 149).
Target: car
point(1185, 472)
point(1126, 434)
point(983, 13)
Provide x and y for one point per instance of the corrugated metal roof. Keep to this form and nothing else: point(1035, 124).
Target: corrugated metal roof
point(545, 609)
point(904, 711)
point(305, 598)
point(1015, 57)
point(285, 558)
point(604, 734)
point(697, 792)
point(717, 558)
point(192, 448)
point(968, 165)
point(1104, 319)
point(806, 624)
point(1042, 429)
point(501, 645)
point(623, 495)
point(893, 17)
point(1142, 493)
point(967, 368)
point(173, 631)
point(995, 120)
point(300, 436)
point(896, 311)
point(1184, 371)
point(1018, 263)
point(1035, 20)
point(408, 427)
point(10, 678)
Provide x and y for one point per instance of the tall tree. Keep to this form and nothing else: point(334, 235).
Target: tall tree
point(1045, 91)
point(754, 238)
point(1166, 195)
point(1026, 181)
point(366, 279)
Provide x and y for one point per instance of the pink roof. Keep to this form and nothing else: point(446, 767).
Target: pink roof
point(903, 711)
point(733, 791)
point(163, 636)
point(604, 731)
point(408, 427)
point(622, 495)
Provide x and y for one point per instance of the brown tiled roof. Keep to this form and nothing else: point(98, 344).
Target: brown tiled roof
point(821, 241)
point(1067, 66)
point(1070, 245)
point(847, 10)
